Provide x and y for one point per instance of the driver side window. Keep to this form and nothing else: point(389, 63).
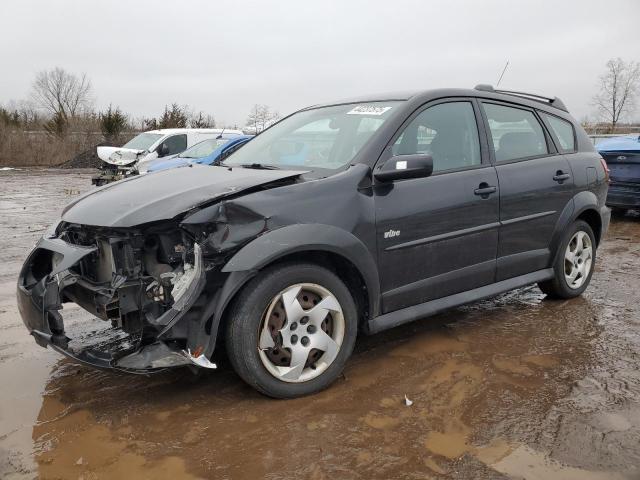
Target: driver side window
point(448, 132)
point(174, 144)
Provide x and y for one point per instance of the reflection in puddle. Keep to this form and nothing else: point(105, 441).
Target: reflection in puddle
point(472, 376)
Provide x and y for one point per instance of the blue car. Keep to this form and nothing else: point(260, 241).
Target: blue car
point(622, 155)
point(207, 152)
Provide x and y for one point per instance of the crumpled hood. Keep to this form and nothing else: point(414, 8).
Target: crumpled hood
point(164, 195)
point(118, 155)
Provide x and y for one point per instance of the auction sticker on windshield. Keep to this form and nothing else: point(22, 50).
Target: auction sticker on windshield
point(368, 110)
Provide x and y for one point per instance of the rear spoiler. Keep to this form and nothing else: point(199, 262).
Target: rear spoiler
point(554, 102)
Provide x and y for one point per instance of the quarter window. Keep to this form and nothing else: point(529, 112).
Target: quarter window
point(563, 131)
point(516, 133)
point(448, 132)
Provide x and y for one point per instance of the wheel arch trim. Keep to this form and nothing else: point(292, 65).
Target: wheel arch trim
point(580, 203)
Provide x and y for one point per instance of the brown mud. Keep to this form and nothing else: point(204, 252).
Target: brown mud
point(513, 387)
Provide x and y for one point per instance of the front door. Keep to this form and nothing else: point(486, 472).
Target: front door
point(438, 235)
point(536, 184)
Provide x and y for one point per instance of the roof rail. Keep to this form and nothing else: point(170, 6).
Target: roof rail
point(554, 102)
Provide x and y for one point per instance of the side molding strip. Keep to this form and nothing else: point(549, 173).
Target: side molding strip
point(527, 217)
point(468, 231)
point(409, 314)
point(444, 236)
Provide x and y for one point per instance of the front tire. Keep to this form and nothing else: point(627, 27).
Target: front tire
point(291, 330)
point(574, 263)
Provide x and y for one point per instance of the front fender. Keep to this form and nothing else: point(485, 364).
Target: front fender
point(284, 241)
point(276, 244)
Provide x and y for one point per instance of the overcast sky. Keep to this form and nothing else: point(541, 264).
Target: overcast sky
point(222, 57)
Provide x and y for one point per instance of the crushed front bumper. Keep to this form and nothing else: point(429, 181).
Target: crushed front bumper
point(44, 279)
point(112, 173)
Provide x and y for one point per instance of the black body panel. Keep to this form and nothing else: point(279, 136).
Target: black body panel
point(447, 234)
point(531, 202)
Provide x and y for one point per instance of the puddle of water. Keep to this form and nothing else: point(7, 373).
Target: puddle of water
point(74, 444)
point(527, 464)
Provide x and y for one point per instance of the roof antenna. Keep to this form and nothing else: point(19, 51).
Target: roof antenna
point(502, 74)
point(221, 133)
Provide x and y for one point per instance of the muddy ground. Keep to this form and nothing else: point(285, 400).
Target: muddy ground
point(514, 387)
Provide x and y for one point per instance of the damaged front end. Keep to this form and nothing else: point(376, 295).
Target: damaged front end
point(118, 163)
point(146, 282)
point(146, 256)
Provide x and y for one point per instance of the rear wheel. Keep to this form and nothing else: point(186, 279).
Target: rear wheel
point(574, 263)
point(291, 330)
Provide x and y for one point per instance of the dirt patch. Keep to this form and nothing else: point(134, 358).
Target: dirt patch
point(513, 387)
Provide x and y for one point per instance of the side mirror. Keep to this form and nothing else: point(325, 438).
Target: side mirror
point(405, 166)
point(163, 150)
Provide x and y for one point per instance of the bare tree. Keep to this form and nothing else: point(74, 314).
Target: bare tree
point(260, 118)
point(61, 93)
point(618, 89)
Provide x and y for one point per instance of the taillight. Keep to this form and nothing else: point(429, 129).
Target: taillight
point(606, 169)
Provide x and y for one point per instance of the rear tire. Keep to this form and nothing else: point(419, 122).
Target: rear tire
point(291, 330)
point(574, 263)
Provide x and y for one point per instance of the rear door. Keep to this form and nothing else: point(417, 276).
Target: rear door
point(438, 236)
point(536, 183)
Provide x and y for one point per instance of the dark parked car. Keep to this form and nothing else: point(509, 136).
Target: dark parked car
point(340, 219)
point(622, 155)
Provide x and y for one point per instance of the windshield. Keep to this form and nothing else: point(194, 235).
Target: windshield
point(142, 141)
point(327, 137)
point(204, 148)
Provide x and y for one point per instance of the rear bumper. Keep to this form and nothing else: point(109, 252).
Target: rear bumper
point(627, 196)
point(40, 299)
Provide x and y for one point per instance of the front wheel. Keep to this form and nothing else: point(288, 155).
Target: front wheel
point(291, 330)
point(574, 264)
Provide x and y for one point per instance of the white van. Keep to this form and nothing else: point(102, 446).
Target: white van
point(133, 157)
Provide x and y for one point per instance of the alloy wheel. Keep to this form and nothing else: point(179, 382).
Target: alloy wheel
point(578, 259)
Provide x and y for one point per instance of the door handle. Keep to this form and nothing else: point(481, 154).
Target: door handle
point(560, 176)
point(484, 190)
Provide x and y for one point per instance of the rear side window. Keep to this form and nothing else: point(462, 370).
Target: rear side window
point(564, 132)
point(176, 144)
point(516, 133)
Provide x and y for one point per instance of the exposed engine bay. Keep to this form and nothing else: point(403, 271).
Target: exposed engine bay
point(141, 281)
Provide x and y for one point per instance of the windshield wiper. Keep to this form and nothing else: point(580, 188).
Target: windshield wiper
point(257, 166)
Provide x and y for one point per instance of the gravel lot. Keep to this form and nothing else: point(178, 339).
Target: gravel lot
point(514, 387)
